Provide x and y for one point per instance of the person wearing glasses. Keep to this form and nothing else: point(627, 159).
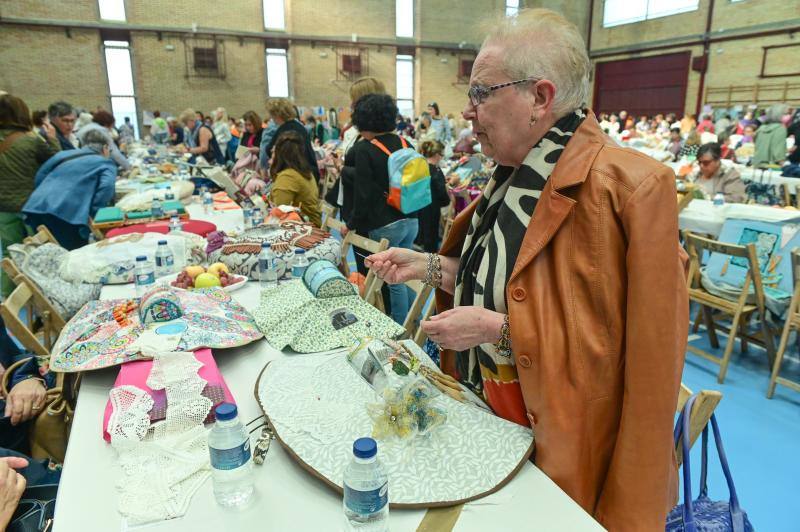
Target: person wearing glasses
point(716, 177)
point(561, 292)
point(62, 116)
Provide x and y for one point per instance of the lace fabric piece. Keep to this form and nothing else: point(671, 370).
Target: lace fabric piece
point(163, 465)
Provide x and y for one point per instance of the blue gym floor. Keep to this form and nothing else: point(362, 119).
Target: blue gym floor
point(761, 436)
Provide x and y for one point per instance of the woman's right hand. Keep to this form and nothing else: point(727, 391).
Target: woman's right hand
point(398, 265)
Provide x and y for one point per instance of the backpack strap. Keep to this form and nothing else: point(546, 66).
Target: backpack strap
point(381, 147)
point(403, 141)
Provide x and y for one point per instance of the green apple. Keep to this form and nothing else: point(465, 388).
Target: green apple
point(206, 280)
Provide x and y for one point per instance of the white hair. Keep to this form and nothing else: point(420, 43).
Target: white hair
point(541, 44)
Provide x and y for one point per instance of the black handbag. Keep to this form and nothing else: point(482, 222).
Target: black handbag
point(35, 510)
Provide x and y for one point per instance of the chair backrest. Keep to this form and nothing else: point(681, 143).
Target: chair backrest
point(704, 406)
point(38, 299)
point(695, 246)
point(23, 298)
point(684, 199)
point(372, 284)
point(42, 236)
point(423, 291)
point(329, 215)
point(420, 336)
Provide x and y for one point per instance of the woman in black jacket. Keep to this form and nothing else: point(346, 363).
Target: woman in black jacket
point(430, 217)
point(284, 114)
point(374, 116)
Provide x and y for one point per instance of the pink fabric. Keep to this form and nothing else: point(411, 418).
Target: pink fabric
point(136, 373)
point(198, 227)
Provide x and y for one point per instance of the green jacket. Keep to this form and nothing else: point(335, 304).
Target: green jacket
point(770, 144)
point(18, 167)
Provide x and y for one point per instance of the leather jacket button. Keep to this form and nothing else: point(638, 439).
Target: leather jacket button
point(532, 419)
point(524, 361)
point(518, 294)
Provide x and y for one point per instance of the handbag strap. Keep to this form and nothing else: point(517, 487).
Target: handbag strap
point(682, 432)
point(737, 515)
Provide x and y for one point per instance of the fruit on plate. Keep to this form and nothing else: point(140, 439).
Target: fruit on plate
point(217, 268)
point(194, 271)
point(207, 280)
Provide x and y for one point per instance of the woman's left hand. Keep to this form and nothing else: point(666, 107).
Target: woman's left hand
point(25, 400)
point(253, 149)
point(462, 328)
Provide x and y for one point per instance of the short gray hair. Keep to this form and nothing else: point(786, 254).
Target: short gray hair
point(94, 140)
point(541, 44)
point(774, 114)
point(59, 109)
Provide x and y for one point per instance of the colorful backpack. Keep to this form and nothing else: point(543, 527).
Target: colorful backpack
point(409, 179)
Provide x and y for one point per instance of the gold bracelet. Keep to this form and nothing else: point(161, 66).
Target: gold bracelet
point(433, 274)
point(503, 345)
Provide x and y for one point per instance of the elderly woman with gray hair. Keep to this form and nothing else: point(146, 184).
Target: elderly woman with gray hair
point(70, 188)
point(770, 138)
point(561, 292)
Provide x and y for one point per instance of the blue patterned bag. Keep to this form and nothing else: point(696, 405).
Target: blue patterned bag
point(703, 514)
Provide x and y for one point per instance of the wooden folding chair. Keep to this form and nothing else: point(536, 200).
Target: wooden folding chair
point(739, 309)
point(42, 236)
point(372, 284)
point(685, 197)
point(411, 323)
point(329, 213)
point(25, 298)
point(704, 406)
point(792, 322)
point(38, 298)
point(421, 336)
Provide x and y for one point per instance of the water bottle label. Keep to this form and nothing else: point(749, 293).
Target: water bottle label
point(145, 278)
point(227, 459)
point(366, 502)
point(165, 261)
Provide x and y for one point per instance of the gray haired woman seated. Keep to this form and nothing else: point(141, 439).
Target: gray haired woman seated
point(70, 188)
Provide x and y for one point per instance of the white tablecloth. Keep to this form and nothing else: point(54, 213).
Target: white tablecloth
point(288, 497)
point(701, 216)
point(224, 220)
point(749, 173)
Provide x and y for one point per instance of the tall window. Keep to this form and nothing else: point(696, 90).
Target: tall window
point(405, 84)
point(512, 8)
point(120, 82)
point(277, 73)
point(618, 12)
point(112, 9)
point(404, 23)
point(274, 18)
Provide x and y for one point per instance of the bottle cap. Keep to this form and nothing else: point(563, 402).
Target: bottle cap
point(226, 411)
point(162, 242)
point(365, 448)
point(299, 251)
point(265, 245)
point(141, 258)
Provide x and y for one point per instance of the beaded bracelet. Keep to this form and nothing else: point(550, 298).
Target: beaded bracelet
point(503, 345)
point(433, 274)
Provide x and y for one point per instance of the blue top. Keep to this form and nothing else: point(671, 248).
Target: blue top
point(365, 448)
point(73, 185)
point(225, 412)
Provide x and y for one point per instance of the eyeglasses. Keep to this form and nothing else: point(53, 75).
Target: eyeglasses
point(478, 93)
point(705, 162)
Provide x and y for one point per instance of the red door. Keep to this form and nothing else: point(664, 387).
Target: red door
point(642, 86)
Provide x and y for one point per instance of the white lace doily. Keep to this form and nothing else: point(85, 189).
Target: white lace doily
point(317, 405)
point(162, 465)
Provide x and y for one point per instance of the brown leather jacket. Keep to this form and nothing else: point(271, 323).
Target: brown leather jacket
point(599, 318)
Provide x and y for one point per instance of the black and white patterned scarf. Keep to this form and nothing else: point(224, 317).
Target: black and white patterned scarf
point(495, 236)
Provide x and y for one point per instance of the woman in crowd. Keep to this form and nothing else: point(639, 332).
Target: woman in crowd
point(251, 139)
point(691, 145)
point(201, 140)
point(747, 120)
point(466, 142)
point(718, 178)
point(430, 217)
point(63, 116)
point(563, 243)
point(39, 118)
point(103, 123)
point(88, 175)
point(159, 128)
point(284, 114)
point(705, 125)
point(688, 124)
point(675, 143)
point(770, 138)
point(293, 182)
point(374, 117)
point(221, 130)
point(22, 152)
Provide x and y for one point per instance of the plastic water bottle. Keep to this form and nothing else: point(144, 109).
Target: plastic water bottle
point(231, 467)
point(144, 275)
point(257, 217)
point(165, 261)
point(366, 489)
point(156, 209)
point(208, 202)
point(175, 225)
point(719, 199)
point(299, 263)
point(169, 195)
point(248, 217)
point(267, 269)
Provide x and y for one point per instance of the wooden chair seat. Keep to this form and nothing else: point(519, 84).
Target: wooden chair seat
point(792, 323)
point(718, 303)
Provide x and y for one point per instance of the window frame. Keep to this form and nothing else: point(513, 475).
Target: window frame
point(398, 31)
point(647, 14)
point(280, 53)
point(265, 12)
